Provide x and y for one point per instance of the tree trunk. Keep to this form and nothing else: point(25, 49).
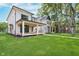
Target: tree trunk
point(73, 20)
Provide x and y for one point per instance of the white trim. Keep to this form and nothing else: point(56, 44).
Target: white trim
point(22, 28)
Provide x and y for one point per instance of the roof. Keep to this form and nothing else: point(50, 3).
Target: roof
point(44, 18)
point(19, 9)
point(22, 10)
point(31, 21)
point(34, 17)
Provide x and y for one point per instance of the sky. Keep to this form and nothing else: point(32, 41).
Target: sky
point(5, 8)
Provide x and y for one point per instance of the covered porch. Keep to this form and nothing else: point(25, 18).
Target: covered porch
point(27, 28)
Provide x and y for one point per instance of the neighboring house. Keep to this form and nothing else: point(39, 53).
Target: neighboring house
point(22, 22)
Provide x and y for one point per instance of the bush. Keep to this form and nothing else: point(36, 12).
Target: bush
point(3, 26)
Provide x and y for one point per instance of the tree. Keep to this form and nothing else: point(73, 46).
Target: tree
point(57, 11)
point(3, 26)
point(53, 10)
point(70, 11)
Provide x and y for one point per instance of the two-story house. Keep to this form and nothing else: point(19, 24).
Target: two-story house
point(22, 23)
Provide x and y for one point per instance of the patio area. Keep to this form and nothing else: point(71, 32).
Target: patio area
point(26, 28)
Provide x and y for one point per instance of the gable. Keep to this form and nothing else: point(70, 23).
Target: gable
point(11, 14)
point(19, 10)
point(22, 10)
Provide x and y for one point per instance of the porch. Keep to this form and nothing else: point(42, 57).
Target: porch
point(26, 28)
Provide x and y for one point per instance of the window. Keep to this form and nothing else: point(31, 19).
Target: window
point(26, 28)
point(11, 27)
point(48, 22)
point(32, 29)
point(24, 17)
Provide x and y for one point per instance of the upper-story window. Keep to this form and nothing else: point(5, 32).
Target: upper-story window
point(24, 17)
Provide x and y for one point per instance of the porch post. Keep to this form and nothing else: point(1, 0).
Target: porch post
point(43, 29)
point(22, 28)
point(37, 29)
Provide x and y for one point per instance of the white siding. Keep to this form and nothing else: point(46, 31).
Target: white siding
point(11, 20)
point(27, 14)
point(45, 27)
point(18, 17)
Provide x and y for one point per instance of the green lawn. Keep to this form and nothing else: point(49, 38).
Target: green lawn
point(67, 34)
point(38, 45)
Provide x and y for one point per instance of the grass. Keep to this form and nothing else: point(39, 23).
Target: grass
point(40, 45)
point(67, 34)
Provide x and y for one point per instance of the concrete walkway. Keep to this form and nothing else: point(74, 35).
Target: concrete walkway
point(61, 36)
